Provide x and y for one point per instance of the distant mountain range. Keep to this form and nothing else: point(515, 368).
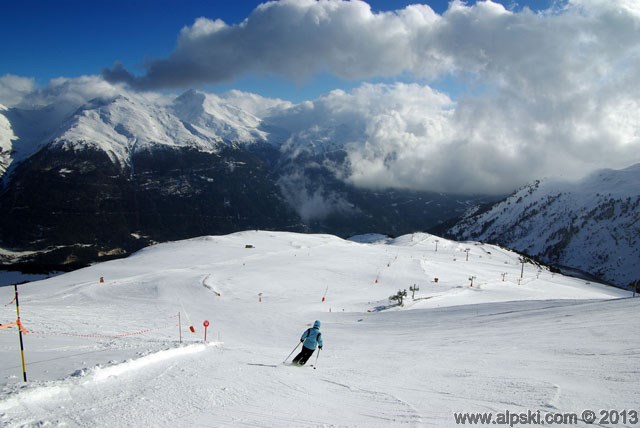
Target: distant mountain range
point(592, 225)
point(85, 181)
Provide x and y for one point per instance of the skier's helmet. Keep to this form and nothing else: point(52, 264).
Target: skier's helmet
point(316, 324)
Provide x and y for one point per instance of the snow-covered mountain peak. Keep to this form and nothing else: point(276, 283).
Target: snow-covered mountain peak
point(213, 116)
point(190, 103)
point(123, 124)
point(6, 138)
point(615, 182)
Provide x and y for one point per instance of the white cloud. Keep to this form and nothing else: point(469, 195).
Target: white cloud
point(552, 91)
point(311, 200)
point(77, 90)
point(63, 95)
point(294, 38)
point(300, 38)
point(255, 104)
point(14, 88)
point(411, 136)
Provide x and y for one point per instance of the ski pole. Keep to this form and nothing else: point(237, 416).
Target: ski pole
point(294, 350)
point(315, 365)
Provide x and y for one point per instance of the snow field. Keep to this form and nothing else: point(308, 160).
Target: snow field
point(108, 354)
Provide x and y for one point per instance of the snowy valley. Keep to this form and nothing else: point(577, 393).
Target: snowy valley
point(484, 333)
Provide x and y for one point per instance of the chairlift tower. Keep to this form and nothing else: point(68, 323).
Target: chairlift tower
point(413, 290)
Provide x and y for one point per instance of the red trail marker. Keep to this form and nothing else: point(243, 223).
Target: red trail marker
point(205, 324)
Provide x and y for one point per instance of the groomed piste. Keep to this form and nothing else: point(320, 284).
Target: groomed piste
point(483, 330)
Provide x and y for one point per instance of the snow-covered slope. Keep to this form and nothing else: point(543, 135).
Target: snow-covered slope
point(6, 138)
point(210, 116)
point(124, 124)
point(108, 353)
point(592, 225)
point(35, 126)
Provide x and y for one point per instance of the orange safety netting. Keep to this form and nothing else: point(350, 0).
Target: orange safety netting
point(17, 323)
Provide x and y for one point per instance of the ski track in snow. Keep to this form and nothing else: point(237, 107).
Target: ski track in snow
point(107, 354)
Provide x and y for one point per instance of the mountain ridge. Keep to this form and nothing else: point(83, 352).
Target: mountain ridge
point(104, 172)
point(592, 224)
point(123, 165)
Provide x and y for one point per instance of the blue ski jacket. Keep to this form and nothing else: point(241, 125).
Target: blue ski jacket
point(312, 337)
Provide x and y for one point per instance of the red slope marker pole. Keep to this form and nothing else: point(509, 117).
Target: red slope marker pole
point(205, 324)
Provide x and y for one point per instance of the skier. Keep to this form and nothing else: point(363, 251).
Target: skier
point(310, 339)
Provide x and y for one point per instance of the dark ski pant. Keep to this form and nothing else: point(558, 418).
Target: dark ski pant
point(303, 356)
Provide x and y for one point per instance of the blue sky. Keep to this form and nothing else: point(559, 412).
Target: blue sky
point(45, 39)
